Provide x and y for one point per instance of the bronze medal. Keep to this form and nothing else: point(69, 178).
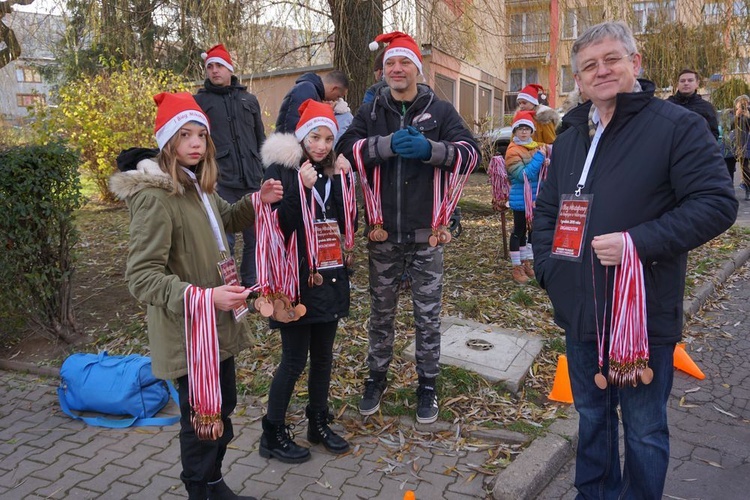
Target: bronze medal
point(310, 281)
point(317, 279)
point(444, 236)
point(258, 303)
point(600, 381)
point(266, 309)
point(647, 375)
point(300, 310)
point(349, 260)
point(432, 240)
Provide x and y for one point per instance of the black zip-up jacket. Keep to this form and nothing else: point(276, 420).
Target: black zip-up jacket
point(237, 131)
point(282, 156)
point(406, 184)
point(307, 86)
point(697, 104)
point(657, 174)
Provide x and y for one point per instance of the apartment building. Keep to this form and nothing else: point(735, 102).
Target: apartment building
point(541, 33)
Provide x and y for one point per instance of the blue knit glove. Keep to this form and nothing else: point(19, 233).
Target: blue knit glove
point(411, 145)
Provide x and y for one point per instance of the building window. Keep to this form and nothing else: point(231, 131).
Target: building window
point(713, 12)
point(28, 100)
point(647, 14)
point(741, 66)
point(466, 101)
point(739, 8)
point(567, 82)
point(445, 88)
point(578, 20)
point(529, 27)
point(520, 77)
point(26, 74)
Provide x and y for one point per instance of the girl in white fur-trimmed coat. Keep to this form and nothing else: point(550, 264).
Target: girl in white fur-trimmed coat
point(307, 155)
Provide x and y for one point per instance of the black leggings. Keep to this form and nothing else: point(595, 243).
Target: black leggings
point(296, 341)
point(518, 237)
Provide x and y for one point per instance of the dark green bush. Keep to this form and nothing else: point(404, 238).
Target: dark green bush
point(39, 193)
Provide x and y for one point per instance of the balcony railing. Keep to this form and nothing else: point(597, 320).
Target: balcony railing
point(528, 50)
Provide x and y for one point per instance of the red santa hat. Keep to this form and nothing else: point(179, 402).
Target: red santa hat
point(218, 54)
point(315, 114)
point(524, 118)
point(399, 45)
point(172, 112)
point(531, 93)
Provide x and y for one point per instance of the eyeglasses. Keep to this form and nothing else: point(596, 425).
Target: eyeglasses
point(608, 62)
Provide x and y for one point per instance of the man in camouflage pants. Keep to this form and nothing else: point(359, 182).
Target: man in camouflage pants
point(409, 133)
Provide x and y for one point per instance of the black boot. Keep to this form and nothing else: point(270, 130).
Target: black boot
point(220, 491)
point(278, 441)
point(196, 491)
point(319, 432)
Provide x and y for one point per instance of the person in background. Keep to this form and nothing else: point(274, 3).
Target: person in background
point(307, 154)
point(377, 73)
point(237, 131)
point(329, 88)
point(687, 96)
point(178, 226)
point(409, 133)
point(631, 168)
point(546, 119)
point(741, 135)
point(523, 161)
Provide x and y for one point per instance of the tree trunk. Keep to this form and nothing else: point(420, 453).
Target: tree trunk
point(356, 24)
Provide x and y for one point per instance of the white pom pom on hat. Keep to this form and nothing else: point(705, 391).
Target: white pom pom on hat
point(204, 56)
point(374, 46)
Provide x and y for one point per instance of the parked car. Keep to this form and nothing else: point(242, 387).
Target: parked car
point(498, 139)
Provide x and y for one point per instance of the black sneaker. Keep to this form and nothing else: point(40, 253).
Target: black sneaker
point(427, 404)
point(374, 389)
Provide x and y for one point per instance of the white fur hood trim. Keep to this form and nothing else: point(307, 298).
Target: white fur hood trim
point(545, 114)
point(147, 175)
point(282, 149)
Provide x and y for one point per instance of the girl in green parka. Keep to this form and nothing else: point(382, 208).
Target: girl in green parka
point(178, 227)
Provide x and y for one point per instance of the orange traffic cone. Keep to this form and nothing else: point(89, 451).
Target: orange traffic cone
point(561, 390)
point(409, 495)
point(683, 362)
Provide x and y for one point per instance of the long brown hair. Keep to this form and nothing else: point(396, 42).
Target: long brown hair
point(207, 171)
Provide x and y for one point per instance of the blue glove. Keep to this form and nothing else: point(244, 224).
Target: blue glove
point(411, 145)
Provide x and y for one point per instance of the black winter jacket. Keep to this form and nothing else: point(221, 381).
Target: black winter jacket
point(697, 104)
point(307, 86)
point(237, 132)
point(657, 173)
point(406, 184)
point(282, 156)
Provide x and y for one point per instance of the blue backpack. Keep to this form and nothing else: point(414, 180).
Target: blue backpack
point(114, 385)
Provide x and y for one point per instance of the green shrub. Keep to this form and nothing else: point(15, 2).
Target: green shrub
point(39, 193)
point(102, 115)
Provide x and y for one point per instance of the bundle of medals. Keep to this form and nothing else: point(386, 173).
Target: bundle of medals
point(202, 346)
point(628, 345)
point(447, 191)
point(277, 267)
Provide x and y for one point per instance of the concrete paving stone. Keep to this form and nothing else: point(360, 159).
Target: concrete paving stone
point(332, 481)
point(309, 495)
point(101, 459)
point(424, 481)
point(105, 477)
point(312, 467)
point(83, 433)
point(471, 483)
point(161, 486)
point(174, 470)
point(24, 469)
point(55, 470)
point(13, 460)
point(168, 453)
point(254, 460)
point(143, 472)
point(16, 421)
point(134, 438)
point(440, 463)
point(274, 471)
point(394, 487)
point(7, 446)
point(25, 488)
point(160, 437)
point(134, 456)
point(69, 480)
point(48, 435)
point(348, 462)
point(350, 491)
point(257, 488)
point(52, 454)
point(81, 494)
point(291, 487)
point(369, 476)
point(172, 496)
point(120, 491)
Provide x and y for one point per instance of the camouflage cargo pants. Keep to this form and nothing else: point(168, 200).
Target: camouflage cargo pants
point(388, 261)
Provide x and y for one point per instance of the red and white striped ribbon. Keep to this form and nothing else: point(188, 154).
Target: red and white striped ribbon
point(498, 179)
point(202, 341)
point(528, 200)
point(628, 346)
point(348, 184)
point(371, 194)
point(308, 223)
point(454, 186)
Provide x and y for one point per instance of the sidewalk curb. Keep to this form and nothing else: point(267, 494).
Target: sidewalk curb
point(537, 465)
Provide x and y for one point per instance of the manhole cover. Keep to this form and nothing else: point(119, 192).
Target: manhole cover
point(479, 344)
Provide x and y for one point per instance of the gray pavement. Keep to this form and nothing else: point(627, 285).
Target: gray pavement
point(46, 455)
